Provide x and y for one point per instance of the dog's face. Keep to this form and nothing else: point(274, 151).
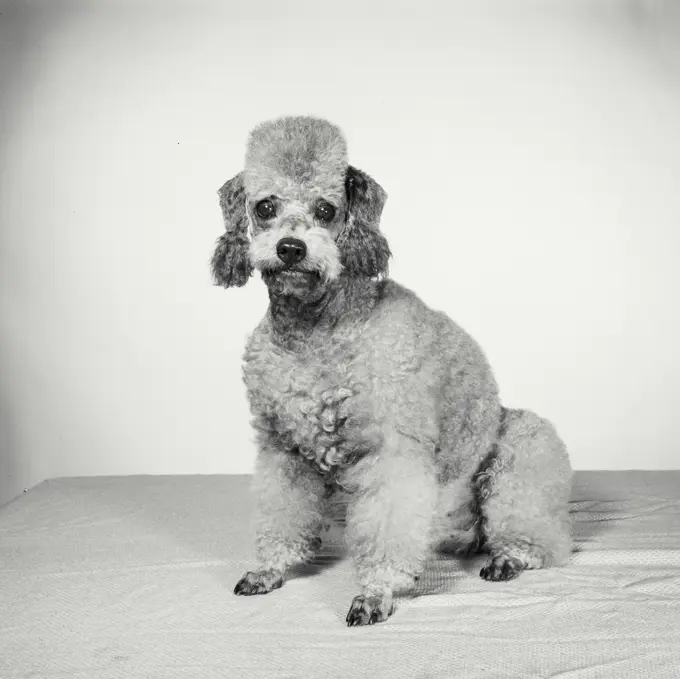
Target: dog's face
point(299, 213)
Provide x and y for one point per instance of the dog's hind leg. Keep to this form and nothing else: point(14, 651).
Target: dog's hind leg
point(457, 523)
point(523, 490)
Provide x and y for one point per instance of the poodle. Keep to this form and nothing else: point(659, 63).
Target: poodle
point(356, 386)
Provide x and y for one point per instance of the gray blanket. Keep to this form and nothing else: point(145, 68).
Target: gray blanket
point(132, 577)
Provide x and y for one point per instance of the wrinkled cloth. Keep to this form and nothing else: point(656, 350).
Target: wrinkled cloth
point(134, 576)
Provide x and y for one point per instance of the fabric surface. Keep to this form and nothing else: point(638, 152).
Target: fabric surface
point(133, 577)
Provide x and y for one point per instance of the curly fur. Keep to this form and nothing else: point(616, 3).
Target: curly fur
point(354, 383)
point(230, 262)
point(365, 250)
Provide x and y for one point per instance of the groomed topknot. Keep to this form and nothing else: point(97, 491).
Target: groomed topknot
point(297, 147)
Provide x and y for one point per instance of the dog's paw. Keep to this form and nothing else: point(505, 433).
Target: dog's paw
point(258, 582)
point(367, 610)
point(502, 568)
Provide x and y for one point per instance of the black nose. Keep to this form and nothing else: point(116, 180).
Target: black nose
point(291, 250)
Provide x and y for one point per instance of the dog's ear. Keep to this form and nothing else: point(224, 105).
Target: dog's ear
point(230, 262)
point(363, 248)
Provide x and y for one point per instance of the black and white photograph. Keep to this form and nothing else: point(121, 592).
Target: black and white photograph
point(339, 339)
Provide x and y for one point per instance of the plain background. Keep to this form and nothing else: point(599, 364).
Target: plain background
point(531, 152)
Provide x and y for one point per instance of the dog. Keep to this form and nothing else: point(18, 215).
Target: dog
point(356, 386)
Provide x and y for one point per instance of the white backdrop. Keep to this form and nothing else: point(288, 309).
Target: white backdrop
point(532, 156)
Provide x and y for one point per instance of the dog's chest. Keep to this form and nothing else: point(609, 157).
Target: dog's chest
point(314, 402)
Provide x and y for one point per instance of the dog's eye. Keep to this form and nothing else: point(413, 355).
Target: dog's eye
point(265, 209)
point(325, 212)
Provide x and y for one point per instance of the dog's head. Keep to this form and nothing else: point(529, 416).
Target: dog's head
point(299, 213)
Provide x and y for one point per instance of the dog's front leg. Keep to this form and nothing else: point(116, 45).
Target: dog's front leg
point(289, 497)
point(388, 523)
